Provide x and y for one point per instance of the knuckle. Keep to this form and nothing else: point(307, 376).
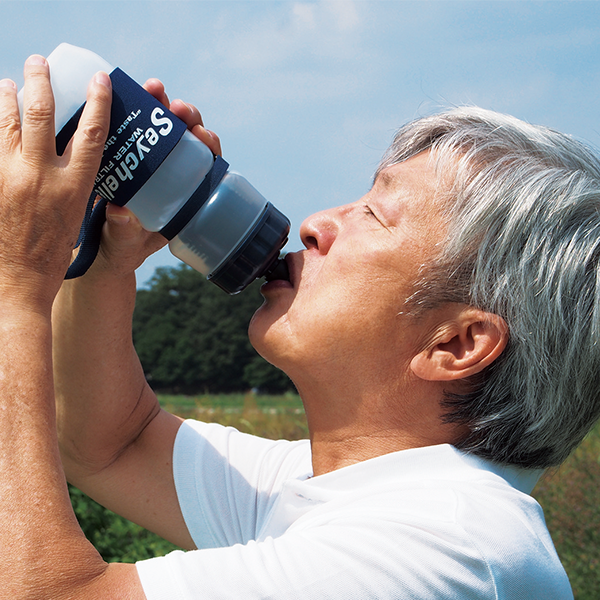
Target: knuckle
point(94, 132)
point(38, 111)
point(10, 129)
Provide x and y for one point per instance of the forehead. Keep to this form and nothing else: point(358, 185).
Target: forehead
point(413, 187)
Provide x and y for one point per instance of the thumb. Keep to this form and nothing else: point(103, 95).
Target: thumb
point(125, 243)
point(122, 227)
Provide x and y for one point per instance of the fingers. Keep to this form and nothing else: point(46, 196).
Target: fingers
point(10, 122)
point(124, 235)
point(88, 142)
point(122, 228)
point(125, 244)
point(188, 113)
point(38, 111)
point(43, 196)
point(210, 138)
point(191, 116)
point(157, 89)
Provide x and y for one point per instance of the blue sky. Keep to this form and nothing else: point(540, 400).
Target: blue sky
point(306, 96)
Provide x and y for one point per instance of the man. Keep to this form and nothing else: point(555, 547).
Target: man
point(441, 332)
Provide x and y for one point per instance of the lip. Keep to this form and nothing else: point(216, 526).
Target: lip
point(275, 284)
point(288, 262)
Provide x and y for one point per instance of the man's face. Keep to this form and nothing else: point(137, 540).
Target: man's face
point(348, 287)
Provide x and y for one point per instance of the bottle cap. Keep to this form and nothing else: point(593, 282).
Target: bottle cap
point(257, 255)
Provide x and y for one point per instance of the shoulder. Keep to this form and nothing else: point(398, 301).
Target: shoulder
point(449, 516)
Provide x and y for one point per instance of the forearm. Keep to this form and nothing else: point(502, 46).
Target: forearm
point(37, 531)
point(27, 430)
point(103, 400)
point(43, 553)
point(116, 443)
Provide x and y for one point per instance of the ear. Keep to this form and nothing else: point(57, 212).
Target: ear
point(462, 346)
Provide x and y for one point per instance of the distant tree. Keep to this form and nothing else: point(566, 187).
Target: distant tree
point(259, 374)
point(191, 337)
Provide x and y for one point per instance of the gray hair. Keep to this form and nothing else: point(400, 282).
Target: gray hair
point(523, 243)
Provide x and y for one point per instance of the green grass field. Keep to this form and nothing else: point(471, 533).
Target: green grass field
point(273, 417)
point(570, 495)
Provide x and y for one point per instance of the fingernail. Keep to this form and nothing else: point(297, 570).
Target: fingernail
point(8, 83)
point(36, 59)
point(118, 219)
point(103, 79)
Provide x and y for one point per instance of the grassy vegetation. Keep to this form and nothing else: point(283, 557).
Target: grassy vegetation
point(569, 495)
point(273, 417)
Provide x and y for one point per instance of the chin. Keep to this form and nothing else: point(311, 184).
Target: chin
point(265, 333)
point(258, 332)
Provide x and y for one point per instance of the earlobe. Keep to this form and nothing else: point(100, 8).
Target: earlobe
point(462, 347)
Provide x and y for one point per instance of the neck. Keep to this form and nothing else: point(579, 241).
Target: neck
point(349, 425)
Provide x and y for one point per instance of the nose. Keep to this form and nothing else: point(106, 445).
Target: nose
point(319, 231)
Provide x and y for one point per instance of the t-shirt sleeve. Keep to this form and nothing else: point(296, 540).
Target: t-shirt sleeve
point(227, 481)
point(339, 561)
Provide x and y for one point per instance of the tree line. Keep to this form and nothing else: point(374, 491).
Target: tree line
point(192, 338)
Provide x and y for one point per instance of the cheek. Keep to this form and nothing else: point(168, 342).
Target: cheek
point(288, 333)
point(338, 304)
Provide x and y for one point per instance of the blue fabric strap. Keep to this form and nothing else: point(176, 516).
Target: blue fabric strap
point(89, 237)
point(197, 199)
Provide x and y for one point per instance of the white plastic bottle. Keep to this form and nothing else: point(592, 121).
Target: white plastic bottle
point(233, 238)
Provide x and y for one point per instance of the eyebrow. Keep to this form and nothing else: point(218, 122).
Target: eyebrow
point(386, 180)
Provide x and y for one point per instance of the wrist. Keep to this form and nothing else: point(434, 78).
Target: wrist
point(105, 274)
point(28, 325)
point(99, 296)
point(21, 302)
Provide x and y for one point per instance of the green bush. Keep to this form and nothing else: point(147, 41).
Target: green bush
point(191, 337)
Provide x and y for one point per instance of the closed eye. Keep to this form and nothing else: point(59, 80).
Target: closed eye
point(367, 211)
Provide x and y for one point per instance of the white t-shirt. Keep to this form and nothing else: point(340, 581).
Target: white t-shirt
point(422, 523)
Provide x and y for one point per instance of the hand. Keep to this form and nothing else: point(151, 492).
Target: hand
point(125, 244)
point(188, 113)
point(43, 196)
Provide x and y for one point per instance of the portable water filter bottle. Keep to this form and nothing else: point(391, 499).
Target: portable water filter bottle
point(215, 220)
